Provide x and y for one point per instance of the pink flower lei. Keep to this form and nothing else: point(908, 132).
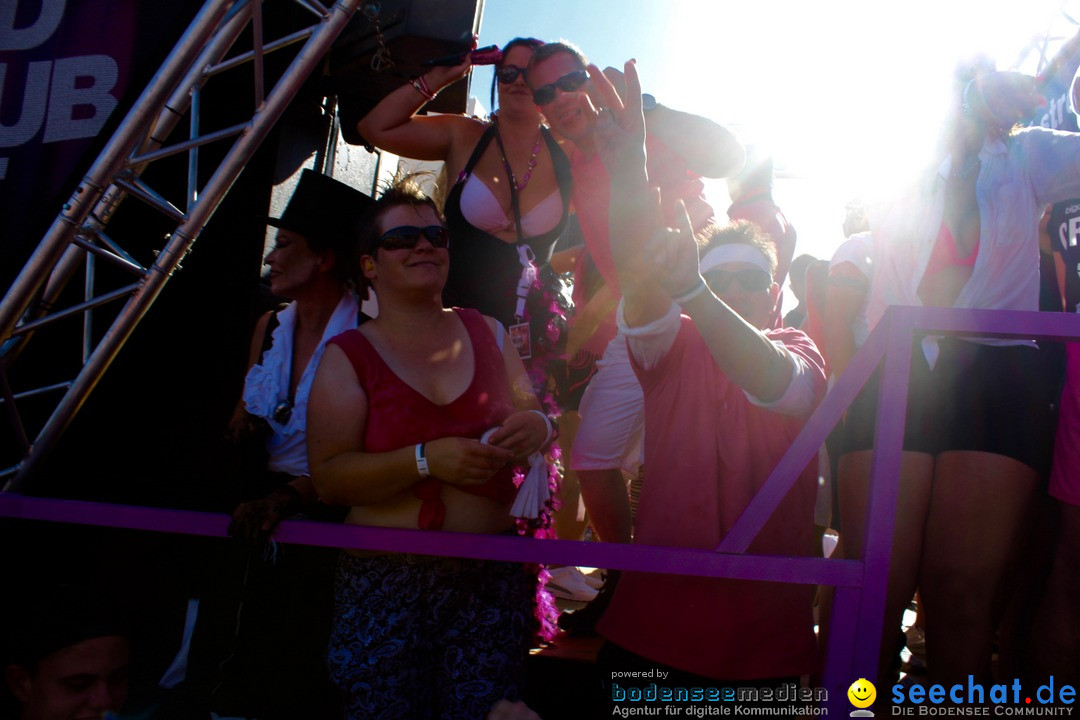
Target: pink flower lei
point(548, 298)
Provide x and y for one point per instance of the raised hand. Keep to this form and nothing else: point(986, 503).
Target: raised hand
point(617, 79)
point(674, 255)
point(439, 77)
point(1007, 97)
point(619, 130)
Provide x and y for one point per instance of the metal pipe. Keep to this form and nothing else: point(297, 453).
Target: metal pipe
point(278, 100)
point(193, 152)
point(195, 142)
point(34, 273)
point(112, 196)
point(76, 309)
point(148, 195)
point(108, 242)
point(244, 57)
point(88, 316)
point(257, 48)
point(40, 390)
point(315, 8)
point(112, 258)
point(64, 270)
point(179, 101)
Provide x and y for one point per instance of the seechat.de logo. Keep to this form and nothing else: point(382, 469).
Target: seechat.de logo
point(974, 698)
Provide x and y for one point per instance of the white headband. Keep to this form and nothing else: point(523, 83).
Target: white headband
point(733, 253)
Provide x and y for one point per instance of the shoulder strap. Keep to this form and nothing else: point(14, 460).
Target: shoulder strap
point(510, 181)
point(357, 348)
point(487, 345)
point(361, 354)
point(481, 146)
point(561, 163)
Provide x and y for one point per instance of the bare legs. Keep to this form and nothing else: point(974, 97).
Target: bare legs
point(608, 503)
point(959, 515)
point(1057, 627)
point(977, 511)
point(568, 526)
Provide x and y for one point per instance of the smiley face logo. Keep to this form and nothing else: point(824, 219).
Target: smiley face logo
point(862, 693)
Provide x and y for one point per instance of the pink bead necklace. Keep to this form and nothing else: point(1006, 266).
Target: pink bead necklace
point(529, 171)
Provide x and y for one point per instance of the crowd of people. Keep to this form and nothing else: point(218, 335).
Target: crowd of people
point(440, 412)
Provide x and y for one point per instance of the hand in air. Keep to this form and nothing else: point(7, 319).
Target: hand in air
point(464, 461)
point(617, 78)
point(1008, 97)
point(674, 254)
point(439, 77)
point(619, 129)
point(523, 433)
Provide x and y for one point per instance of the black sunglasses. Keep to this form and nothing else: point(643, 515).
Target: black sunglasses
point(509, 73)
point(406, 237)
point(751, 279)
point(570, 82)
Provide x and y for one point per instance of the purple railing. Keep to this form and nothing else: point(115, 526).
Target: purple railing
point(859, 602)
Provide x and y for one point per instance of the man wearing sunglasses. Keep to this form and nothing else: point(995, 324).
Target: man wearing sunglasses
point(724, 399)
point(682, 149)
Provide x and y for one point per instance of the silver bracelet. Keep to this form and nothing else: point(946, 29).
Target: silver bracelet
point(421, 461)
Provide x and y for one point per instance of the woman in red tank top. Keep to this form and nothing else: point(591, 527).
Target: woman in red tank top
point(395, 420)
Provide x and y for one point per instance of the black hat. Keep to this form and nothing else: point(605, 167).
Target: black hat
point(324, 210)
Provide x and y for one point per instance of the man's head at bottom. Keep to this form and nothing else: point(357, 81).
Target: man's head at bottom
point(69, 657)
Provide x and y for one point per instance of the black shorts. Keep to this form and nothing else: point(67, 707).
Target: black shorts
point(919, 432)
point(980, 398)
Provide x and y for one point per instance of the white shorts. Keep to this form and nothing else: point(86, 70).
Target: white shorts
point(612, 415)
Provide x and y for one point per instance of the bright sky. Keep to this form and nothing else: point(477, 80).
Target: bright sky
point(849, 94)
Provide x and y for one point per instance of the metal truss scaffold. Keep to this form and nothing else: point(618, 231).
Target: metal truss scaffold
point(77, 237)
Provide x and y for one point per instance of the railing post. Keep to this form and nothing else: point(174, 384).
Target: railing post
point(884, 489)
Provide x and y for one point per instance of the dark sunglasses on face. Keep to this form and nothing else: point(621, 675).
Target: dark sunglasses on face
point(406, 237)
point(509, 73)
point(750, 279)
point(570, 82)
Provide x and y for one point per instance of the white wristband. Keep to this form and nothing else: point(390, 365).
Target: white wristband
point(550, 429)
point(690, 294)
point(421, 461)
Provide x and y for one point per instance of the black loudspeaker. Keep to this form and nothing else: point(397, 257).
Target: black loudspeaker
point(410, 31)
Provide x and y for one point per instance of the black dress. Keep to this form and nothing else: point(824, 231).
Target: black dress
point(485, 270)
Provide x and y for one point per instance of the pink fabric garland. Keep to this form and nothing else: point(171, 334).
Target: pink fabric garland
point(545, 298)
